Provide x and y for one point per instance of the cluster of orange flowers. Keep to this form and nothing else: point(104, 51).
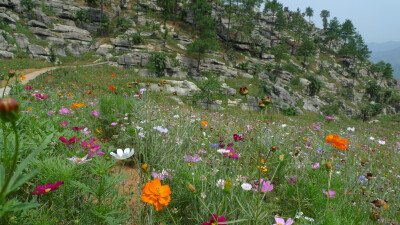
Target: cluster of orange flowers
point(77, 105)
point(337, 142)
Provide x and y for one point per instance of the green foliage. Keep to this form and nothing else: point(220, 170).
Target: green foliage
point(309, 13)
point(295, 83)
point(289, 111)
point(135, 38)
point(372, 91)
point(280, 52)
point(82, 16)
point(370, 110)
point(210, 90)
point(306, 49)
point(105, 25)
point(243, 66)
point(159, 62)
point(331, 109)
point(48, 11)
point(123, 23)
point(28, 4)
point(324, 15)
point(347, 93)
point(315, 85)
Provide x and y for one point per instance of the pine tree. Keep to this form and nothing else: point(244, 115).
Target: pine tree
point(324, 15)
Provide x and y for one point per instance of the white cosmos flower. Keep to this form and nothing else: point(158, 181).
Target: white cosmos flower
point(176, 116)
point(246, 186)
point(352, 129)
point(381, 142)
point(222, 151)
point(371, 138)
point(221, 183)
point(284, 125)
point(123, 154)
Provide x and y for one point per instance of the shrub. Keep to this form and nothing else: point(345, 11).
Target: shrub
point(105, 24)
point(82, 16)
point(135, 38)
point(243, 66)
point(159, 62)
point(370, 110)
point(123, 23)
point(27, 4)
point(347, 93)
point(332, 109)
point(289, 111)
point(315, 85)
point(291, 68)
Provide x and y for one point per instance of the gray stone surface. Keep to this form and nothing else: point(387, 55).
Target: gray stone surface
point(37, 50)
point(134, 59)
point(6, 55)
point(22, 40)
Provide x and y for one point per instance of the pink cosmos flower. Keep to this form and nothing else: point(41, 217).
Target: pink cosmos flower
point(43, 189)
point(266, 186)
point(398, 144)
point(90, 145)
point(85, 131)
point(77, 128)
point(64, 124)
point(64, 111)
point(51, 112)
point(231, 154)
point(28, 88)
point(329, 118)
point(315, 166)
point(72, 140)
point(237, 137)
point(331, 193)
point(75, 159)
point(280, 221)
point(214, 218)
point(95, 113)
point(113, 124)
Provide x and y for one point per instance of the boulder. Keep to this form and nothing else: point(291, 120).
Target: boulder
point(41, 32)
point(120, 42)
point(134, 59)
point(22, 40)
point(37, 50)
point(78, 49)
point(280, 93)
point(313, 104)
point(72, 33)
point(3, 43)
point(35, 23)
point(228, 90)
point(267, 56)
point(178, 100)
point(6, 55)
point(6, 18)
point(41, 16)
point(104, 49)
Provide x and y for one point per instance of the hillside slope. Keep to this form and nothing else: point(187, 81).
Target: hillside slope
point(131, 34)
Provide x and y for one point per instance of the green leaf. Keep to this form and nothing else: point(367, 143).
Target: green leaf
point(17, 175)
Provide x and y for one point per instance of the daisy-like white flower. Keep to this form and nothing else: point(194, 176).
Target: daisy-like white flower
point(83, 160)
point(123, 154)
point(223, 151)
point(352, 129)
point(221, 183)
point(381, 142)
point(246, 186)
point(371, 138)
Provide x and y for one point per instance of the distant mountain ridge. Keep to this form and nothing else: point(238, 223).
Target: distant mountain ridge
point(388, 52)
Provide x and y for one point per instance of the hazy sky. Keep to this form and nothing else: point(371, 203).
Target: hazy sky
point(376, 21)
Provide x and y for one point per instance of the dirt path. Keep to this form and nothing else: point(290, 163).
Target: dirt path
point(31, 74)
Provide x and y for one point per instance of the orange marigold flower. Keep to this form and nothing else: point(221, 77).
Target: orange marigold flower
point(89, 93)
point(205, 123)
point(76, 105)
point(112, 88)
point(155, 194)
point(112, 75)
point(23, 78)
point(337, 142)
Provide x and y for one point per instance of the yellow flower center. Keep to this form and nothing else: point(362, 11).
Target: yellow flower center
point(47, 190)
point(79, 159)
point(231, 153)
point(158, 191)
point(88, 146)
point(93, 151)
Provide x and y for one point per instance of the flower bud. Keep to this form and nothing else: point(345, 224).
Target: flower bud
point(9, 109)
point(145, 168)
point(261, 105)
point(328, 165)
point(147, 83)
point(266, 100)
point(273, 148)
point(243, 90)
point(11, 73)
point(192, 188)
point(281, 157)
point(228, 185)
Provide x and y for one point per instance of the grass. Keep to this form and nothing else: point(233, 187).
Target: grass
point(107, 191)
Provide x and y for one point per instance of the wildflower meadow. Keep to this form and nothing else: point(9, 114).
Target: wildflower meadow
point(97, 146)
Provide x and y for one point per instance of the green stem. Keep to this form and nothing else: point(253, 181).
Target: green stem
point(206, 207)
point(14, 163)
point(170, 215)
point(5, 159)
point(273, 176)
point(4, 91)
point(222, 206)
point(329, 186)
